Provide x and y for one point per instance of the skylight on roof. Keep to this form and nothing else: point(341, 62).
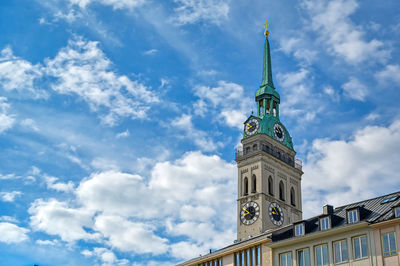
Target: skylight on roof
point(393, 198)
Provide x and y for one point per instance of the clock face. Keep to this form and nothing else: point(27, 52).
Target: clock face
point(275, 214)
point(249, 213)
point(278, 132)
point(251, 127)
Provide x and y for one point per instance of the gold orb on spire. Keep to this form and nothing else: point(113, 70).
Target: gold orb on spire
point(266, 24)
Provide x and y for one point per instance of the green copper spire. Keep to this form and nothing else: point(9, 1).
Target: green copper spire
point(267, 67)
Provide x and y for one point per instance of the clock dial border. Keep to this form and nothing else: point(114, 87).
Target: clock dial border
point(245, 208)
point(277, 221)
point(278, 126)
point(254, 131)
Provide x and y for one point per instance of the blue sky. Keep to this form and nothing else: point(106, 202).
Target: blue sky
point(119, 118)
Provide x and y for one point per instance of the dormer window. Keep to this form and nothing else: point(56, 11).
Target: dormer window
point(324, 223)
point(352, 216)
point(397, 212)
point(299, 229)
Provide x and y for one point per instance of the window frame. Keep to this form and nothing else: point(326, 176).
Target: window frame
point(341, 251)
point(297, 254)
point(395, 243)
point(396, 211)
point(353, 219)
point(328, 218)
point(287, 261)
point(360, 245)
point(322, 258)
point(302, 233)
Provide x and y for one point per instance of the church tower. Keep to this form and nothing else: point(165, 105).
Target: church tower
point(269, 176)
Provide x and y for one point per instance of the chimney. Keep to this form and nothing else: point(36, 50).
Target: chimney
point(328, 209)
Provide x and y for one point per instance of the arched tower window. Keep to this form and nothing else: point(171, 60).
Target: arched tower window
point(254, 183)
point(246, 187)
point(274, 108)
point(261, 111)
point(268, 106)
point(254, 147)
point(281, 191)
point(270, 186)
point(292, 197)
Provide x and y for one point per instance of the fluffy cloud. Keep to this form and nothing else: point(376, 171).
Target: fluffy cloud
point(355, 89)
point(57, 218)
point(116, 4)
point(192, 11)
point(106, 256)
point(343, 171)
point(389, 75)
point(82, 69)
point(227, 101)
point(9, 196)
point(18, 74)
point(303, 102)
point(111, 193)
point(52, 183)
point(123, 210)
point(331, 20)
point(11, 233)
point(130, 236)
point(6, 120)
point(200, 138)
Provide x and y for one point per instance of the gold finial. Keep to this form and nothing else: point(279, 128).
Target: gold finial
point(266, 24)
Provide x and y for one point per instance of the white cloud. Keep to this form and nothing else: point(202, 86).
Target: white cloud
point(227, 101)
point(302, 102)
point(130, 236)
point(331, 20)
point(111, 192)
point(192, 11)
point(82, 69)
point(59, 186)
point(150, 52)
point(11, 233)
point(57, 218)
point(299, 48)
point(199, 137)
point(29, 123)
point(123, 134)
point(46, 242)
point(18, 74)
point(6, 120)
point(116, 4)
point(354, 89)
point(9, 196)
point(389, 76)
point(106, 256)
point(343, 171)
point(122, 210)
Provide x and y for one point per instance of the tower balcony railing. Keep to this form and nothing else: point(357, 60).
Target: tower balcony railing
point(296, 163)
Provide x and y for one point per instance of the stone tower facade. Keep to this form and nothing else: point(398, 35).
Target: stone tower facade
point(269, 176)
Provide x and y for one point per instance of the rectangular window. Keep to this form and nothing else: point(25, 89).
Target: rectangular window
point(299, 229)
point(243, 255)
point(389, 244)
point(258, 255)
point(360, 247)
point(321, 255)
point(237, 259)
point(285, 259)
point(397, 212)
point(340, 251)
point(325, 223)
point(352, 216)
point(303, 257)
